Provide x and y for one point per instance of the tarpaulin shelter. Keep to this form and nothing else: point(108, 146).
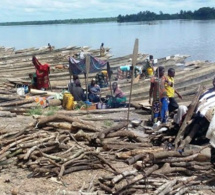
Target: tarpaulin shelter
point(77, 67)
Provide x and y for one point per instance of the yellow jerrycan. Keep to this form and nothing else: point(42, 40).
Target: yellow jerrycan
point(68, 101)
point(150, 71)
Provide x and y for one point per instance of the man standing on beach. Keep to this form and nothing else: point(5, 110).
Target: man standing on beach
point(173, 105)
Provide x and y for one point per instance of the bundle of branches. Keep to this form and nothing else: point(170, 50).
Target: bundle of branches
point(175, 168)
point(59, 145)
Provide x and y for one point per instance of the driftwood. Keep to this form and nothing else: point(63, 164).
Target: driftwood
point(188, 116)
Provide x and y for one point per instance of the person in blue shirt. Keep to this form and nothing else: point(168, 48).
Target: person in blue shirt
point(94, 91)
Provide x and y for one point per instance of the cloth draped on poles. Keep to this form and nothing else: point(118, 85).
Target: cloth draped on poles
point(42, 72)
point(77, 67)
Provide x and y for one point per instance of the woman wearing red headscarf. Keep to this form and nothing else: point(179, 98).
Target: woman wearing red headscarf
point(42, 72)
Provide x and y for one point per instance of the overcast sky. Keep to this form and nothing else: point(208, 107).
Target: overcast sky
point(34, 10)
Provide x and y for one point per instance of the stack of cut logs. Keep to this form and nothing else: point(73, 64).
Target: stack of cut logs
point(57, 145)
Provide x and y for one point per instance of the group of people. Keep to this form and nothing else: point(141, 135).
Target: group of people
point(147, 70)
point(117, 98)
point(161, 97)
point(162, 94)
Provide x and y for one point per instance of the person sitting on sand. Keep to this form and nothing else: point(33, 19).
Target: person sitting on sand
point(118, 99)
point(94, 91)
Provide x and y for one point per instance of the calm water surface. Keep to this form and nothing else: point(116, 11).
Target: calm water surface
point(162, 38)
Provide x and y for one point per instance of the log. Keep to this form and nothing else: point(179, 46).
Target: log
point(165, 154)
point(42, 122)
point(188, 116)
point(182, 184)
point(16, 103)
point(165, 188)
point(127, 154)
point(54, 102)
point(40, 92)
point(183, 191)
point(81, 125)
point(167, 169)
point(124, 145)
point(13, 109)
point(123, 175)
point(81, 135)
point(9, 97)
point(128, 134)
point(137, 178)
point(194, 165)
point(189, 137)
point(178, 159)
point(99, 111)
point(61, 125)
point(135, 158)
point(7, 114)
point(105, 132)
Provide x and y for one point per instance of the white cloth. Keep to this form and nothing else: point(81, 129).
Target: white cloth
point(82, 55)
point(182, 110)
point(205, 103)
point(211, 132)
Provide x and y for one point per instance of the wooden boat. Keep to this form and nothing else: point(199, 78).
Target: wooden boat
point(16, 67)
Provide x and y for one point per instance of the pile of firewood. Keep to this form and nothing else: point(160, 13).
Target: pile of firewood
point(57, 145)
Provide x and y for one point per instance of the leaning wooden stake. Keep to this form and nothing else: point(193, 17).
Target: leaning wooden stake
point(87, 73)
point(188, 116)
point(134, 61)
point(109, 77)
point(86, 77)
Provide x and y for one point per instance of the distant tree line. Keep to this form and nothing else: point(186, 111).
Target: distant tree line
point(204, 13)
point(68, 21)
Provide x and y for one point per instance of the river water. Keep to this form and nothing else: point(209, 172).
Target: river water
point(159, 38)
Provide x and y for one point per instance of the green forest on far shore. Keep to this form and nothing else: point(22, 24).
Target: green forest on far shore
point(67, 21)
point(204, 13)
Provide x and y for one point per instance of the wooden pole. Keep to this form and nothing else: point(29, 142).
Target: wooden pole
point(87, 73)
point(109, 77)
point(188, 116)
point(134, 61)
point(86, 77)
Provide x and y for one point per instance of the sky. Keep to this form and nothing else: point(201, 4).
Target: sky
point(39, 10)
